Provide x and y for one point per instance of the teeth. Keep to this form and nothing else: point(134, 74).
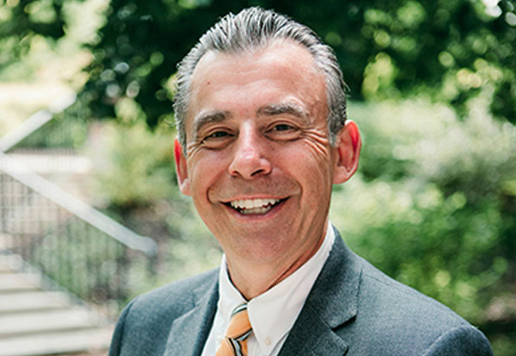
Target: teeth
point(254, 206)
point(256, 210)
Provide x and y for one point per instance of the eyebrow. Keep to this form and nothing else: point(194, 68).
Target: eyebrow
point(206, 118)
point(283, 108)
point(267, 110)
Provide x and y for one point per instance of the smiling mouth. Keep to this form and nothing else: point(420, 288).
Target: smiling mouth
point(254, 206)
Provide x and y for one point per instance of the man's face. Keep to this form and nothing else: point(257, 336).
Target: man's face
point(259, 166)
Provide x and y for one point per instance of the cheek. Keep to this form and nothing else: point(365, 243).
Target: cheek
point(315, 166)
point(309, 163)
point(205, 171)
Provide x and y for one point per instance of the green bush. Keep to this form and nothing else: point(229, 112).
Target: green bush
point(133, 166)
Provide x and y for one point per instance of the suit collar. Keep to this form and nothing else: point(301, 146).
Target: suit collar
point(335, 294)
point(189, 332)
point(332, 302)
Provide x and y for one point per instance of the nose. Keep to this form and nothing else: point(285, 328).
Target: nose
point(250, 156)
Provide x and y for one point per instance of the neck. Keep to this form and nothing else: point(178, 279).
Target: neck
point(253, 279)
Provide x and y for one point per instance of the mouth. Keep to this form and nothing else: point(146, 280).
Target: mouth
point(254, 206)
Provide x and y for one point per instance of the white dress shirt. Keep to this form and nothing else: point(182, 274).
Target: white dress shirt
point(273, 313)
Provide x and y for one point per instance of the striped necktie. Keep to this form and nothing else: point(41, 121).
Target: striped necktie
point(239, 329)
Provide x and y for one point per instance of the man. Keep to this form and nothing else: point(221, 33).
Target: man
point(262, 137)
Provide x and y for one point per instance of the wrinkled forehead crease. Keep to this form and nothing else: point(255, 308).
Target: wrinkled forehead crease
point(287, 108)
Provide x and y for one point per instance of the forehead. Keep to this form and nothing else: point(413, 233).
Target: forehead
point(234, 81)
point(279, 52)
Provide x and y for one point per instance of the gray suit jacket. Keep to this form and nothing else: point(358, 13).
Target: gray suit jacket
point(353, 309)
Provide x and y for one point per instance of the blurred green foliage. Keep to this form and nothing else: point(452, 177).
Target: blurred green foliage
point(449, 50)
point(133, 166)
point(23, 21)
point(434, 206)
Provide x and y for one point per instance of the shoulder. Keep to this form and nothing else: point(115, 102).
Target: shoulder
point(404, 321)
point(144, 325)
point(175, 297)
point(386, 298)
point(377, 315)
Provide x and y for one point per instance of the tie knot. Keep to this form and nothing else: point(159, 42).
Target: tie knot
point(239, 326)
point(239, 329)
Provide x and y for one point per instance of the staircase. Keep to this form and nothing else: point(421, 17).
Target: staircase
point(38, 322)
point(51, 240)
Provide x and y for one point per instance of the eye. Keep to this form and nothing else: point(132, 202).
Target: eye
point(217, 134)
point(282, 127)
point(217, 139)
point(283, 132)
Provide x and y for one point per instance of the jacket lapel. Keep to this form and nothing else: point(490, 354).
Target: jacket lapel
point(190, 331)
point(312, 336)
point(332, 302)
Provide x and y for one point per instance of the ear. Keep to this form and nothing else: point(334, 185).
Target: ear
point(349, 144)
point(181, 169)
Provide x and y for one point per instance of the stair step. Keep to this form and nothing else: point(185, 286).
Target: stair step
point(8, 262)
point(34, 322)
point(57, 343)
point(6, 242)
point(13, 282)
point(45, 321)
point(43, 162)
point(26, 301)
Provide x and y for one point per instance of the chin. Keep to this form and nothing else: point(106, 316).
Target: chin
point(260, 248)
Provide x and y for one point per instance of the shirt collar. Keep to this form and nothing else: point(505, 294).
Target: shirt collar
point(273, 313)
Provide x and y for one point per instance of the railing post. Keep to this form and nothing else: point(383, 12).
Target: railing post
point(123, 272)
point(3, 202)
point(152, 266)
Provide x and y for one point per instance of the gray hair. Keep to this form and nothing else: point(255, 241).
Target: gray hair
point(255, 28)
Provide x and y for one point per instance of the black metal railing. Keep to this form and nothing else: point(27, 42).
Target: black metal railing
point(84, 251)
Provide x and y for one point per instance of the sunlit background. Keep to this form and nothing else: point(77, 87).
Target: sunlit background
point(88, 194)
